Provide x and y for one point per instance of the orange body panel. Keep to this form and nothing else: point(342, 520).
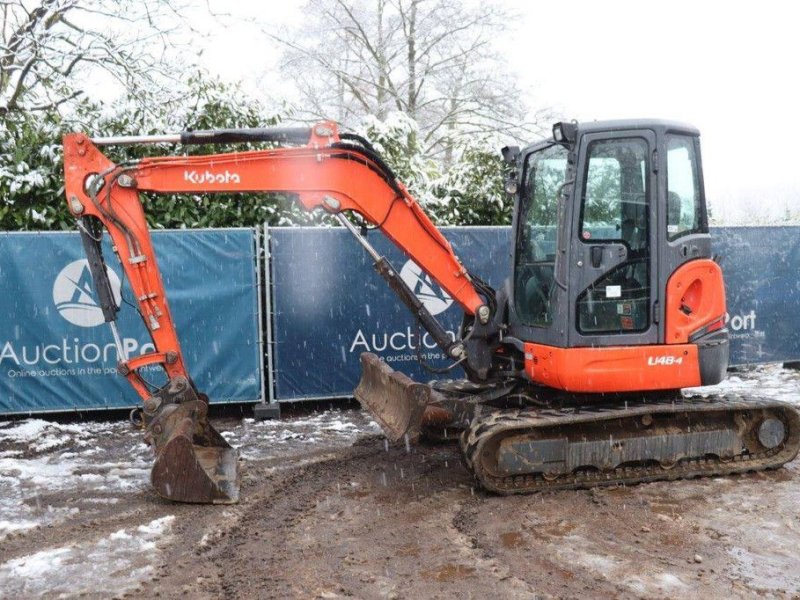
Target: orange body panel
point(613, 369)
point(318, 173)
point(695, 298)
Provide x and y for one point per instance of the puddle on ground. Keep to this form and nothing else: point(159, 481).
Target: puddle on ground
point(668, 508)
point(511, 539)
point(619, 491)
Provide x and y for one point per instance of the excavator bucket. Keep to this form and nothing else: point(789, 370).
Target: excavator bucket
point(396, 401)
point(193, 463)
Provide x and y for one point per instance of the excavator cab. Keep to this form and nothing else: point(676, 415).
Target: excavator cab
point(608, 214)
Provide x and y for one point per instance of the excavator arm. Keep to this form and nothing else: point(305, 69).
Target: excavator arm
point(337, 174)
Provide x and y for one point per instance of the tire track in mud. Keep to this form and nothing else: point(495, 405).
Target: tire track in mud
point(604, 543)
point(324, 529)
point(525, 565)
point(463, 531)
point(344, 527)
point(251, 559)
point(211, 553)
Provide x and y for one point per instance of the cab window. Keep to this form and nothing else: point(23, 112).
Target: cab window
point(615, 202)
point(616, 209)
point(534, 275)
point(684, 206)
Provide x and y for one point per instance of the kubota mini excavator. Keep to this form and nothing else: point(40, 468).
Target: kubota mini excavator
point(574, 367)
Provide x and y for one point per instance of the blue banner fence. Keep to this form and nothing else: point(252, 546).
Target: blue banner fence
point(324, 306)
point(57, 354)
point(329, 305)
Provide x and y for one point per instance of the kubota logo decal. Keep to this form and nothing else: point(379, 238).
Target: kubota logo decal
point(197, 178)
point(74, 294)
point(433, 297)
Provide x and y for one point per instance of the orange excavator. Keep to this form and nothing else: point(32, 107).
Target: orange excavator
point(574, 367)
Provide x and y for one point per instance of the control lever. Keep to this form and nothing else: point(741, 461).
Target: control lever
point(597, 256)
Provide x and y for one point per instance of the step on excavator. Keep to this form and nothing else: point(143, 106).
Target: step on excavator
point(574, 368)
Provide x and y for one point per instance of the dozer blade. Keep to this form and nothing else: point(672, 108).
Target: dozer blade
point(395, 400)
point(193, 463)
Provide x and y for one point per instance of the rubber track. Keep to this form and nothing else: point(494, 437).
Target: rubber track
point(484, 428)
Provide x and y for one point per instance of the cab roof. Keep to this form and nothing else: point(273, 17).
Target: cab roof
point(624, 124)
point(658, 125)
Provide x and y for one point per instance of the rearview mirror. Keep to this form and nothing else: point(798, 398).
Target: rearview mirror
point(510, 154)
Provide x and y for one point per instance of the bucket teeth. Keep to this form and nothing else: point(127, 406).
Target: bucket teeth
point(193, 462)
point(395, 401)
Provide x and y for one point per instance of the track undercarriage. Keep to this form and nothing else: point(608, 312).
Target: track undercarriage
point(519, 439)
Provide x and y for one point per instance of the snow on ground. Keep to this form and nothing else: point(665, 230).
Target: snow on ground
point(118, 562)
point(39, 458)
point(762, 540)
point(751, 521)
point(762, 535)
point(101, 459)
point(98, 461)
point(257, 439)
point(53, 474)
point(764, 381)
point(591, 555)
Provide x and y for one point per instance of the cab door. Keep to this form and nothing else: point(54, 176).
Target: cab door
point(613, 280)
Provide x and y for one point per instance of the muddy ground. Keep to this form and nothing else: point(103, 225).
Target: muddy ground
point(330, 510)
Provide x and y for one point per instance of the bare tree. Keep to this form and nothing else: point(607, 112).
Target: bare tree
point(49, 49)
point(431, 59)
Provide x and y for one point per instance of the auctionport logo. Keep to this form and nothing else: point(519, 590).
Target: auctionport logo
point(407, 342)
point(74, 294)
point(435, 299)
